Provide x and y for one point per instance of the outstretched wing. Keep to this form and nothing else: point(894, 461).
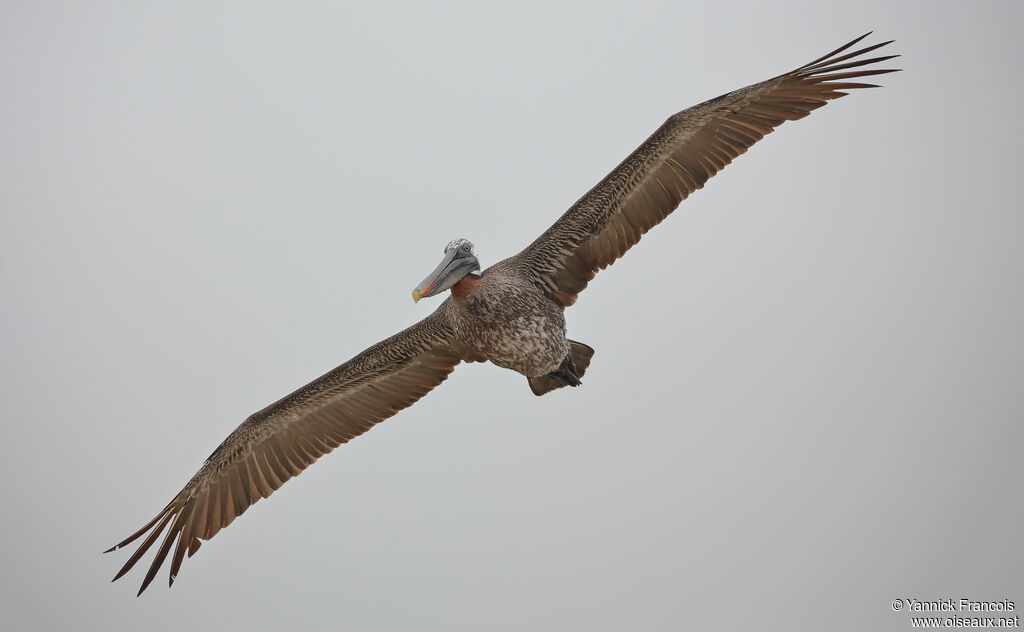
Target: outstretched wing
point(676, 160)
point(284, 438)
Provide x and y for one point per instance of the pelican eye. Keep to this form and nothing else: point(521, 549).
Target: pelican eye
point(462, 244)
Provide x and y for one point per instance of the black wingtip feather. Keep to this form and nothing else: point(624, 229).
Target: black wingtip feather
point(818, 71)
point(836, 51)
point(835, 60)
point(135, 536)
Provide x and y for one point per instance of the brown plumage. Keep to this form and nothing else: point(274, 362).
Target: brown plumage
point(280, 441)
point(511, 314)
point(675, 161)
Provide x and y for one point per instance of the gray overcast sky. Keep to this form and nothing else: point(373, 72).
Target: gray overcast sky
point(806, 399)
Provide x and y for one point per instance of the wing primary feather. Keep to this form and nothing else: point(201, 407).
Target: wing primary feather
point(148, 542)
point(214, 512)
point(816, 74)
point(144, 529)
point(202, 503)
point(240, 486)
point(836, 60)
point(280, 472)
point(851, 75)
point(260, 483)
point(278, 442)
point(184, 540)
point(691, 147)
point(227, 500)
point(165, 547)
point(836, 51)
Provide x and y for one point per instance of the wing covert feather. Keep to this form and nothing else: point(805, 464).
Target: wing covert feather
point(675, 161)
point(280, 441)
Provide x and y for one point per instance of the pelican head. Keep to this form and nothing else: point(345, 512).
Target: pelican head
point(459, 260)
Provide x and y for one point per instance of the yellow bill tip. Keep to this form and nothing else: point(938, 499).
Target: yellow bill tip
point(416, 296)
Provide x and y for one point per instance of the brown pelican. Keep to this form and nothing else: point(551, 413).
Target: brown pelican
point(511, 314)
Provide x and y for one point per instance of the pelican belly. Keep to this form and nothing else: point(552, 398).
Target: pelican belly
point(512, 324)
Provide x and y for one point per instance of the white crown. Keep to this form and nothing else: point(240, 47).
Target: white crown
point(458, 243)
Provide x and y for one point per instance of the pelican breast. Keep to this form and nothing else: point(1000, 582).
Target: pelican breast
point(508, 320)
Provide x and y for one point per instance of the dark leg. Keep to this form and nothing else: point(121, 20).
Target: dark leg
point(566, 374)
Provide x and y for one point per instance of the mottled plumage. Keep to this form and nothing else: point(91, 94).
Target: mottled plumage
point(507, 320)
point(512, 314)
